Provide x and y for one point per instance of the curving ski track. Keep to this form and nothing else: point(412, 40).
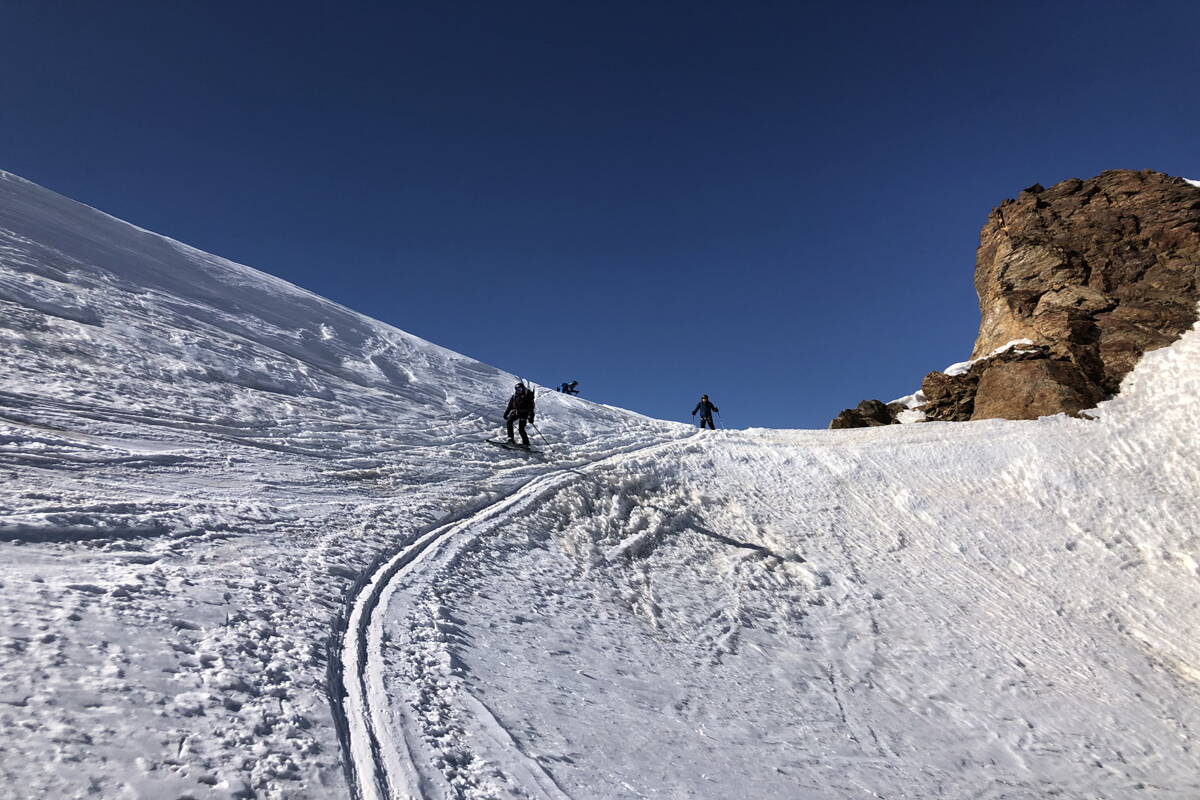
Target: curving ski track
point(378, 767)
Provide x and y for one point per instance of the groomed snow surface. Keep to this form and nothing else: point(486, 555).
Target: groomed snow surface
point(254, 545)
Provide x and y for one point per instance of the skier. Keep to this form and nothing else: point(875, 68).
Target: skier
point(569, 388)
point(706, 409)
point(520, 411)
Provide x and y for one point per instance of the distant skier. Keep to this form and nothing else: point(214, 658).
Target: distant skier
point(569, 388)
point(520, 411)
point(706, 409)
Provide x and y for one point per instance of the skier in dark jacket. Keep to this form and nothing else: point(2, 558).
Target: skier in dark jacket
point(520, 411)
point(706, 409)
point(569, 388)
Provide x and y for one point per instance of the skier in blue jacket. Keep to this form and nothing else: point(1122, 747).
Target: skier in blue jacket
point(706, 409)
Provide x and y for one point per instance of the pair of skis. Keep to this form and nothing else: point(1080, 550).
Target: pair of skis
point(507, 445)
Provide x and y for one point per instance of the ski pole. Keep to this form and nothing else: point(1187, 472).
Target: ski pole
point(719, 417)
point(539, 433)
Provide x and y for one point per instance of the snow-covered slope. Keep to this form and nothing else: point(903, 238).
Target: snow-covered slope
point(993, 609)
point(197, 462)
point(115, 314)
point(253, 545)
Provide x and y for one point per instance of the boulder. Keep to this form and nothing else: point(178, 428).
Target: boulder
point(1032, 388)
point(949, 398)
point(867, 414)
point(1025, 382)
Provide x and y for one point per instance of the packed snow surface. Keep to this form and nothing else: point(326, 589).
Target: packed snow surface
point(255, 545)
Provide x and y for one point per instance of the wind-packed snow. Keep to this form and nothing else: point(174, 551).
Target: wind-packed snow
point(1192, 182)
point(254, 545)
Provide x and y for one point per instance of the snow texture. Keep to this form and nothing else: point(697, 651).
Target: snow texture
point(256, 546)
point(197, 464)
point(995, 609)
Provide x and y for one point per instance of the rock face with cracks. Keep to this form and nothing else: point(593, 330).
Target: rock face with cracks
point(1099, 270)
point(1095, 272)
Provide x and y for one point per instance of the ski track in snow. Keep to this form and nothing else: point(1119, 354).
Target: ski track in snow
point(382, 761)
point(1001, 610)
point(254, 545)
point(197, 462)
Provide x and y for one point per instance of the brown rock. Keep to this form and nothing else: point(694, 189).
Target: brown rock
point(1100, 270)
point(1025, 382)
point(1032, 388)
point(867, 414)
point(949, 398)
point(847, 419)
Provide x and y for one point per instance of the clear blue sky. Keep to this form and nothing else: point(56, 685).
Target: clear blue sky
point(774, 203)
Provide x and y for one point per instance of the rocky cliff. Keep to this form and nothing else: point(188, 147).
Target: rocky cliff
point(1093, 273)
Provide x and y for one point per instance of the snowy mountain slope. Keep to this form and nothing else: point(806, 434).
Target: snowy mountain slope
point(198, 463)
point(999, 609)
point(167, 315)
point(253, 545)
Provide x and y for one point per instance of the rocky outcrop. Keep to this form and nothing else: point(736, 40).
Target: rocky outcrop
point(1095, 272)
point(1025, 382)
point(867, 414)
point(1099, 270)
point(1032, 389)
point(949, 398)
